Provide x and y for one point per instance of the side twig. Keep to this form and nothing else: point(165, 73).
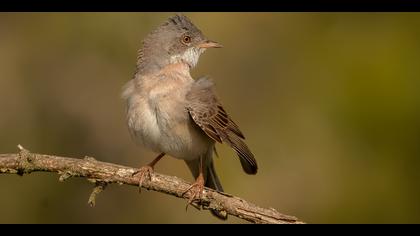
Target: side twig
point(102, 174)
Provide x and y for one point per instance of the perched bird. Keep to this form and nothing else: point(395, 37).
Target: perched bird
point(171, 113)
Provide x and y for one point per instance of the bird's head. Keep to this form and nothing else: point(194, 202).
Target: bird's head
point(177, 40)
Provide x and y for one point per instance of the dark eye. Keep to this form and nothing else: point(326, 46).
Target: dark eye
point(186, 39)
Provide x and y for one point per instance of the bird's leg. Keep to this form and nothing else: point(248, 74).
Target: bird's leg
point(146, 171)
point(197, 188)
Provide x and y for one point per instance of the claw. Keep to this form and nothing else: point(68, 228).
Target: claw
point(144, 172)
point(196, 190)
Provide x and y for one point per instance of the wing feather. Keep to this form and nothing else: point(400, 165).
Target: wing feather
point(208, 113)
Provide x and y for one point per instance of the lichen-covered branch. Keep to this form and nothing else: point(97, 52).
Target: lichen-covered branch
point(102, 174)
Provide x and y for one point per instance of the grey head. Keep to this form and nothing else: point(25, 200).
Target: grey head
point(177, 40)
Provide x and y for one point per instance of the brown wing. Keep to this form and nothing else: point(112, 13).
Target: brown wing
point(208, 113)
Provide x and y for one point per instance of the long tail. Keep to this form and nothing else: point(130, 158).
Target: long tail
point(212, 181)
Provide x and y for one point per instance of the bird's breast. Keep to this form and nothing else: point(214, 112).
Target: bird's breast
point(159, 120)
point(142, 122)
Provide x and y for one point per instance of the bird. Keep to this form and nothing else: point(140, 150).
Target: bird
point(171, 113)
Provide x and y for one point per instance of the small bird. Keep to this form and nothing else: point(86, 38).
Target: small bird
point(171, 113)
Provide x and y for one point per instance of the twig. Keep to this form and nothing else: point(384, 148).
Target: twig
point(99, 187)
point(102, 174)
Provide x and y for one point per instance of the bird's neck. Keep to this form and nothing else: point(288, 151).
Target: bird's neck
point(176, 71)
point(168, 69)
point(149, 63)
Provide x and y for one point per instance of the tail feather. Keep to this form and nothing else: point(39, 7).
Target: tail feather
point(213, 182)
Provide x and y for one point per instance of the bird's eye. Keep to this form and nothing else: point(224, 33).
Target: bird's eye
point(186, 39)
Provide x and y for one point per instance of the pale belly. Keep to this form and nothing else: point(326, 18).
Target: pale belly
point(165, 126)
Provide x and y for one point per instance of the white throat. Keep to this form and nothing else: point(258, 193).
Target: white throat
point(190, 56)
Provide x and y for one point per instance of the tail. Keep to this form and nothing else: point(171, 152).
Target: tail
point(212, 181)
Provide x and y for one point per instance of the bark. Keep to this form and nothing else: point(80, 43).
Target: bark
point(102, 174)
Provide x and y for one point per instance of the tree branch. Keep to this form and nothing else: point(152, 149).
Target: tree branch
point(102, 174)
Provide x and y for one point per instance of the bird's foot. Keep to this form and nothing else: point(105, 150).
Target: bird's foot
point(196, 191)
point(143, 173)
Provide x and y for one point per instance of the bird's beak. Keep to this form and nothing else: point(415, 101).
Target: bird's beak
point(209, 44)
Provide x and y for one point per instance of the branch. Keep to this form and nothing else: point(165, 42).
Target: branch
point(102, 174)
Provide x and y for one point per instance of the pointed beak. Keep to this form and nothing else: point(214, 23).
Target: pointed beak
point(209, 44)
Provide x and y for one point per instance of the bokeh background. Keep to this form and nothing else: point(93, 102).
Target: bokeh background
point(329, 103)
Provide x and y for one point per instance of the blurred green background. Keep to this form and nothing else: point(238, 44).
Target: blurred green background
point(329, 104)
